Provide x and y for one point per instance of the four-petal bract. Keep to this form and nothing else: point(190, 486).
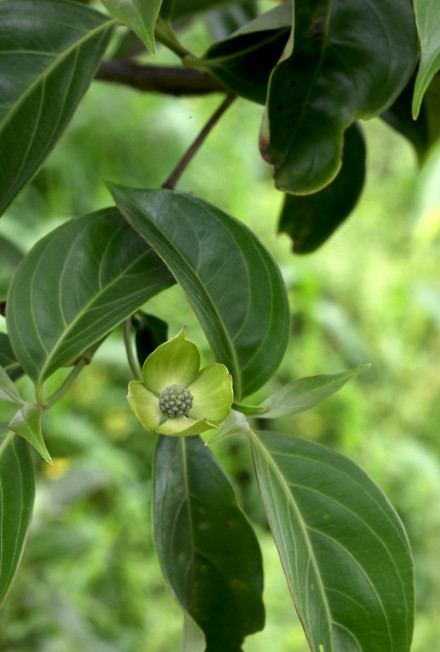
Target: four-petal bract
point(177, 363)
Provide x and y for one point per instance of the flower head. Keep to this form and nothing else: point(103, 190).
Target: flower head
point(175, 397)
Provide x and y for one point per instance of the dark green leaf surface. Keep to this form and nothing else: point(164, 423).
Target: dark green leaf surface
point(350, 60)
point(207, 550)
point(151, 332)
point(76, 285)
point(49, 53)
point(27, 423)
point(17, 490)
point(305, 393)
point(428, 22)
point(310, 219)
point(343, 548)
point(400, 118)
point(7, 358)
point(244, 61)
point(230, 279)
point(138, 15)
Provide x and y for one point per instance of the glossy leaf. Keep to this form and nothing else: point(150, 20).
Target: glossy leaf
point(76, 285)
point(305, 393)
point(8, 391)
point(350, 60)
point(17, 491)
point(7, 358)
point(138, 15)
point(343, 547)
point(428, 21)
point(310, 219)
point(179, 9)
point(244, 61)
point(230, 279)
point(208, 552)
point(50, 50)
point(27, 423)
point(400, 118)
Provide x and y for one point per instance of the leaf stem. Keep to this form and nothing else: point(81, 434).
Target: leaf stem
point(165, 34)
point(134, 366)
point(174, 177)
point(48, 402)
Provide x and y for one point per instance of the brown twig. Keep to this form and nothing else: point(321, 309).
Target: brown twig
point(158, 79)
point(174, 177)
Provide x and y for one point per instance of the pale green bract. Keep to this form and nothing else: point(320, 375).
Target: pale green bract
point(173, 382)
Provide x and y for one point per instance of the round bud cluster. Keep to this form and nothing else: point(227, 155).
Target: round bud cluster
point(175, 401)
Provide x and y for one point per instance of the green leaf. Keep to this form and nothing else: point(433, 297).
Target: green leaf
point(17, 491)
point(428, 21)
point(343, 547)
point(27, 423)
point(10, 254)
point(50, 50)
point(310, 219)
point(305, 393)
point(76, 285)
point(400, 118)
point(230, 279)
point(151, 332)
point(350, 60)
point(7, 358)
point(244, 61)
point(207, 550)
point(138, 15)
point(223, 22)
point(8, 391)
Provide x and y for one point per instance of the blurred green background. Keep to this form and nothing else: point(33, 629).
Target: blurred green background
point(89, 579)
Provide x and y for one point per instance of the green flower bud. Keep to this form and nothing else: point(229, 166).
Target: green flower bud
point(176, 397)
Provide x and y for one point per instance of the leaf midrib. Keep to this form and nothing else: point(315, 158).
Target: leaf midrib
point(291, 500)
point(51, 355)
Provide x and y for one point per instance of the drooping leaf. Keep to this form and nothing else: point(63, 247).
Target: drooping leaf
point(343, 547)
point(151, 332)
point(305, 393)
point(230, 279)
point(138, 15)
point(76, 285)
point(428, 21)
point(350, 60)
point(400, 118)
point(244, 61)
point(8, 391)
point(310, 219)
point(50, 50)
point(208, 552)
point(17, 491)
point(7, 358)
point(27, 423)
